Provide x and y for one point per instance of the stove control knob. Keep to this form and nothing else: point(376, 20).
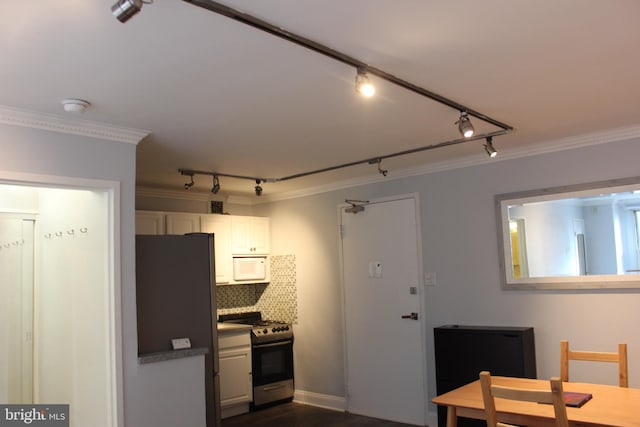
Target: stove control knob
point(286, 328)
point(275, 330)
point(265, 331)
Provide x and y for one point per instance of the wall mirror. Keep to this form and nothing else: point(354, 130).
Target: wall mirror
point(582, 236)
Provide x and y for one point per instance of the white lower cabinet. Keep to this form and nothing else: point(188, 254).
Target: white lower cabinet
point(236, 388)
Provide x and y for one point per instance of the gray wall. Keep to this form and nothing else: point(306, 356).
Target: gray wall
point(170, 389)
point(460, 245)
point(459, 240)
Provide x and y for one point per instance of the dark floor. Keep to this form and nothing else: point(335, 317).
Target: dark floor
point(298, 415)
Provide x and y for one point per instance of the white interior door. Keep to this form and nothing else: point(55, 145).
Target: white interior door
point(16, 309)
point(381, 273)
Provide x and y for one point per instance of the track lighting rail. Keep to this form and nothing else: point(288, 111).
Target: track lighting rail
point(465, 126)
point(125, 9)
point(373, 160)
point(265, 26)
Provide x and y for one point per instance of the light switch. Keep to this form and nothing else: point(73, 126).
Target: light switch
point(375, 269)
point(430, 279)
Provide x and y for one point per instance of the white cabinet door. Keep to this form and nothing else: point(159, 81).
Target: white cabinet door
point(260, 235)
point(235, 369)
point(235, 377)
point(250, 235)
point(220, 226)
point(149, 222)
point(182, 223)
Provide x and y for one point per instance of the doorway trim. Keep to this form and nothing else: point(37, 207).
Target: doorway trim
point(422, 300)
point(114, 282)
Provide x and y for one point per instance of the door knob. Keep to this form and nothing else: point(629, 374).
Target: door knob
point(412, 316)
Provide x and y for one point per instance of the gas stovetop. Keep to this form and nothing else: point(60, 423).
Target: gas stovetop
point(263, 330)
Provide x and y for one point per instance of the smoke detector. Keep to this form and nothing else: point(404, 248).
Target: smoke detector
point(74, 105)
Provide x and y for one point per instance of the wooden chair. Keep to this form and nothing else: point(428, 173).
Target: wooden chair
point(553, 396)
point(594, 356)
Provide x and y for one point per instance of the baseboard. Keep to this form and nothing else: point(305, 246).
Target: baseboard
point(432, 419)
point(336, 403)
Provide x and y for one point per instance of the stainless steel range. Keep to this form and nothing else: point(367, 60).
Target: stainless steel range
point(272, 357)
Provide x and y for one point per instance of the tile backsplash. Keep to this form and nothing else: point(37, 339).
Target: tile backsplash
point(276, 300)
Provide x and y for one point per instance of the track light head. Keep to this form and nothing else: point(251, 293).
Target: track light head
point(363, 85)
point(189, 184)
point(488, 147)
point(124, 10)
point(216, 185)
point(381, 171)
point(258, 188)
point(464, 125)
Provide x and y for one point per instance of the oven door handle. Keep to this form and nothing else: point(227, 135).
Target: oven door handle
point(275, 344)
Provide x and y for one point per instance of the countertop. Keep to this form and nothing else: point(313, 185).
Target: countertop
point(225, 327)
point(161, 356)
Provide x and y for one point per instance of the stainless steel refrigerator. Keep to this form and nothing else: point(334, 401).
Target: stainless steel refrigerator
point(176, 298)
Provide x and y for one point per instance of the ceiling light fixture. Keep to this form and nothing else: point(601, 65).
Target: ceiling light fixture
point(381, 171)
point(488, 147)
point(363, 86)
point(189, 184)
point(363, 71)
point(464, 125)
point(74, 105)
point(216, 185)
point(124, 10)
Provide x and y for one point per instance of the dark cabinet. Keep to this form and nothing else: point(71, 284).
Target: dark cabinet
point(463, 351)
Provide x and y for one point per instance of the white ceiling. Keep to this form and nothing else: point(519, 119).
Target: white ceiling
point(220, 96)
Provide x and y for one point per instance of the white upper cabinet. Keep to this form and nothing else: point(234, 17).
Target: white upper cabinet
point(182, 223)
point(148, 222)
point(250, 235)
point(234, 235)
point(220, 226)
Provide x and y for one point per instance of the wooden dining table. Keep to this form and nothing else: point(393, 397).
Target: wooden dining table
point(610, 405)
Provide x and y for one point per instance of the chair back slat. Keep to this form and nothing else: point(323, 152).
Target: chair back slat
point(554, 396)
point(620, 358)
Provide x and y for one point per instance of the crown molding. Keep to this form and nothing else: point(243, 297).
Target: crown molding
point(196, 196)
point(30, 119)
point(241, 200)
point(163, 193)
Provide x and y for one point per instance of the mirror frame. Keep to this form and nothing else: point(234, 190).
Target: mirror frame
point(502, 202)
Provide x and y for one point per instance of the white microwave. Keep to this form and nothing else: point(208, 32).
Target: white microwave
point(249, 269)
